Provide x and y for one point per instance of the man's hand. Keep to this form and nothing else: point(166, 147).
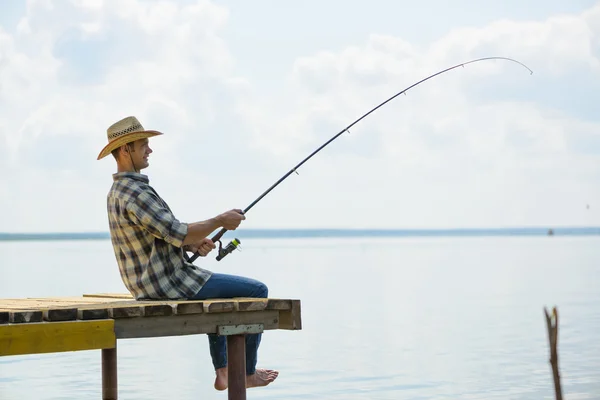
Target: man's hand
point(231, 219)
point(203, 247)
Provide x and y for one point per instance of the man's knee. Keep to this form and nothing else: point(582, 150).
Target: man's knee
point(262, 290)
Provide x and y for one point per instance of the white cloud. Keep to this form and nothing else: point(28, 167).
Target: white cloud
point(153, 50)
point(73, 68)
point(483, 145)
point(486, 158)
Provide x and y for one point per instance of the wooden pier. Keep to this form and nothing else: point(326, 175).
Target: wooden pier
point(97, 321)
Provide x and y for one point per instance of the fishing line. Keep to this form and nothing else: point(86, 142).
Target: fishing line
point(235, 242)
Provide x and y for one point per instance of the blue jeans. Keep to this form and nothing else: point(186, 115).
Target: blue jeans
point(228, 286)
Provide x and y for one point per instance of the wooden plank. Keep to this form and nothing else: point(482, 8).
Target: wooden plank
point(125, 311)
point(60, 314)
point(45, 337)
point(135, 308)
point(279, 304)
point(291, 319)
point(155, 310)
point(73, 299)
point(65, 305)
point(218, 306)
point(51, 301)
point(189, 307)
point(110, 295)
point(62, 308)
point(93, 311)
point(117, 303)
point(142, 309)
point(70, 301)
point(24, 304)
point(39, 305)
point(24, 316)
point(47, 314)
point(249, 304)
point(177, 325)
point(87, 314)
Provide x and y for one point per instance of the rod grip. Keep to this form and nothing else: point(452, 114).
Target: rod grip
point(216, 237)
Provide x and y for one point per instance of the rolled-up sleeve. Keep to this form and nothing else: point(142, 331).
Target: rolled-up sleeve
point(147, 211)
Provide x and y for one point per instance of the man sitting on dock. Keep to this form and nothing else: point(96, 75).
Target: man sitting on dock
point(149, 244)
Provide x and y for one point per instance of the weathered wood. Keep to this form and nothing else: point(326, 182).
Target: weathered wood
point(189, 307)
point(249, 304)
point(279, 304)
point(291, 319)
point(110, 295)
point(152, 307)
point(74, 299)
point(92, 313)
point(177, 325)
point(141, 309)
point(25, 316)
point(218, 306)
point(122, 306)
point(109, 374)
point(158, 310)
point(236, 367)
point(29, 305)
point(60, 314)
point(126, 311)
point(71, 308)
point(47, 303)
point(49, 337)
point(102, 310)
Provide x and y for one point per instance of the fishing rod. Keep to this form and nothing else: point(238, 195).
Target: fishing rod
point(235, 242)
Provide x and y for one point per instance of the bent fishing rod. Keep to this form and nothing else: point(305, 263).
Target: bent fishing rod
point(235, 242)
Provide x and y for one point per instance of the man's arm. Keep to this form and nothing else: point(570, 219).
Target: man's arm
point(197, 231)
point(148, 212)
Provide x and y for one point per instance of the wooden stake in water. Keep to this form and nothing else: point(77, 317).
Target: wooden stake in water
point(552, 324)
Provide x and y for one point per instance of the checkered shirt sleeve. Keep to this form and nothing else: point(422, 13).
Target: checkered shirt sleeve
point(148, 211)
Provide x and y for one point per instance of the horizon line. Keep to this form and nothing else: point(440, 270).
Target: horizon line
point(272, 233)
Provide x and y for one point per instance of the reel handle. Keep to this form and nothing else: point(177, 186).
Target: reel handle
point(228, 249)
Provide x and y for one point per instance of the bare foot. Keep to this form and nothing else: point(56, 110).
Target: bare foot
point(262, 377)
point(221, 379)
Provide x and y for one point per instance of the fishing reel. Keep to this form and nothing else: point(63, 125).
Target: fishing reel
point(228, 249)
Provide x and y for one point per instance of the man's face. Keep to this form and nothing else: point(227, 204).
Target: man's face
point(140, 150)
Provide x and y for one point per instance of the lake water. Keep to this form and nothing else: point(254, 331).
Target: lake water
point(385, 318)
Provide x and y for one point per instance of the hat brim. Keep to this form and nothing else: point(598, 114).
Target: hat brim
point(130, 137)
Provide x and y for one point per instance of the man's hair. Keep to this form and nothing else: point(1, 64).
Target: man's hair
point(115, 152)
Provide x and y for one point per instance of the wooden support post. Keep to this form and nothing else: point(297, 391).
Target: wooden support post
point(236, 367)
point(109, 374)
point(236, 357)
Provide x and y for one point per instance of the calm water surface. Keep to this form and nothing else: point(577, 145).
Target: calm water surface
point(405, 318)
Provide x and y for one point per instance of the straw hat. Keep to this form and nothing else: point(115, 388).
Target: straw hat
point(125, 131)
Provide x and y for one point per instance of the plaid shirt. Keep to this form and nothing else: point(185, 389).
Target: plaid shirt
point(147, 240)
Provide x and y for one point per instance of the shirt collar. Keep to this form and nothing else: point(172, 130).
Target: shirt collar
point(131, 175)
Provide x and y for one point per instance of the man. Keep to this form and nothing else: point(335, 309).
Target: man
point(149, 244)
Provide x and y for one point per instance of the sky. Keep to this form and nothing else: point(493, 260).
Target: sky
point(243, 91)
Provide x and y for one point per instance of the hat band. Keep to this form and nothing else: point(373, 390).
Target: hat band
point(133, 128)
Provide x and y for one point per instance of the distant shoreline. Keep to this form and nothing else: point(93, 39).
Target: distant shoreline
point(332, 233)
